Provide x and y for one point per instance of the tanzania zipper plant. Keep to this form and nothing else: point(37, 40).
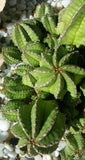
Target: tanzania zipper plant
point(39, 125)
point(47, 94)
point(75, 147)
point(14, 89)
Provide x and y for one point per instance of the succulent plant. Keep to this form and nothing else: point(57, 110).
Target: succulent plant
point(75, 147)
point(39, 125)
point(10, 109)
point(46, 15)
point(54, 71)
point(14, 89)
point(42, 10)
point(11, 55)
point(72, 24)
point(49, 86)
point(32, 53)
point(26, 31)
point(78, 125)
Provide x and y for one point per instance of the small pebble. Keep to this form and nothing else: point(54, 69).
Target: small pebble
point(3, 34)
point(4, 125)
point(1, 116)
point(3, 136)
point(8, 147)
point(65, 3)
point(2, 146)
point(1, 63)
point(61, 145)
point(56, 153)
point(38, 157)
point(1, 150)
point(2, 4)
point(10, 154)
point(47, 157)
point(59, 5)
point(9, 28)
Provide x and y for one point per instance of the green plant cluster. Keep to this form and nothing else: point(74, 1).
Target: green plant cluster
point(48, 94)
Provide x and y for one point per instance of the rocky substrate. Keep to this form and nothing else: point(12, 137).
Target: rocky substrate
point(14, 11)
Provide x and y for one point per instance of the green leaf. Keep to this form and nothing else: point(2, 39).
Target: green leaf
point(14, 89)
point(28, 80)
point(26, 31)
point(11, 116)
point(22, 69)
point(49, 23)
point(13, 105)
point(11, 55)
point(74, 69)
point(56, 131)
point(22, 143)
point(75, 140)
point(33, 36)
point(72, 24)
point(48, 124)
point(71, 87)
point(18, 131)
point(32, 54)
point(20, 39)
point(51, 40)
point(43, 9)
point(66, 15)
point(25, 118)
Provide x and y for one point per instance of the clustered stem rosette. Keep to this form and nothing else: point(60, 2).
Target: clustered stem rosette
point(75, 147)
point(53, 74)
point(14, 89)
point(39, 125)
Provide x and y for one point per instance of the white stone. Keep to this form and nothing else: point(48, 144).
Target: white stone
point(66, 132)
point(3, 97)
point(1, 116)
point(1, 80)
point(38, 157)
point(9, 28)
point(65, 3)
point(10, 154)
point(31, 17)
point(4, 125)
point(17, 150)
point(53, 4)
point(12, 158)
point(61, 145)
point(23, 158)
point(1, 154)
point(8, 147)
point(3, 34)
point(1, 150)
point(2, 4)
point(1, 146)
point(3, 136)
point(47, 157)
point(59, 5)
point(56, 153)
point(1, 62)
point(49, 1)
